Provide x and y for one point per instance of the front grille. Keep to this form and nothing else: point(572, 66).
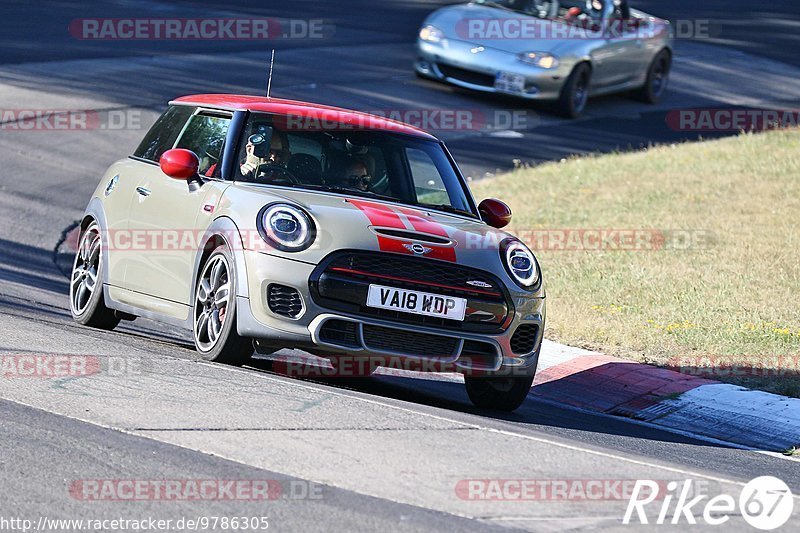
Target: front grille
point(524, 340)
point(284, 301)
point(342, 282)
point(340, 333)
point(467, 76)
point(409, 342)
point(418, 274)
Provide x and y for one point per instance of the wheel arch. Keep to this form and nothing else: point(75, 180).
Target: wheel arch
point(95, 213)
point(223, 231)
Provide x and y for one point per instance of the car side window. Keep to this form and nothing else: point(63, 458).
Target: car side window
point(164, 133)
point(205, 136)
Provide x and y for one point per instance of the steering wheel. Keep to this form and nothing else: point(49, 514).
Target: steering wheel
point(276, 173)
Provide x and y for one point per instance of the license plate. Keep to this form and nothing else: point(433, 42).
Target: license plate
point(416, 303)
point(508, 82)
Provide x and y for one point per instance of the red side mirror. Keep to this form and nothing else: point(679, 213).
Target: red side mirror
point(179, 164)
point(495, 213)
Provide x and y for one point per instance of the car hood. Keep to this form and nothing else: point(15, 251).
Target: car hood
point(354, 222)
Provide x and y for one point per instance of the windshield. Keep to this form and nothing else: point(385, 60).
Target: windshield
point(305, 154)
point(552, 9)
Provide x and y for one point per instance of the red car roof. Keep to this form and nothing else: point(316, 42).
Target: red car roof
point(302, 110)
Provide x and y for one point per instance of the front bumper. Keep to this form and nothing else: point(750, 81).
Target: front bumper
point(454, 62)
point(315, 329)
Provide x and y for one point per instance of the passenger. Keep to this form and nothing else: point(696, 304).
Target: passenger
point(355, 175)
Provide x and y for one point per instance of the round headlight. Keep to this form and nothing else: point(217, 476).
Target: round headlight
point(286, 227)
point(431, 34)
point(520, 263)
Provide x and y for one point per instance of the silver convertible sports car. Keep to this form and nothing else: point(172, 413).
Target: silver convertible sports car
point(281, 224)
point(561, 51)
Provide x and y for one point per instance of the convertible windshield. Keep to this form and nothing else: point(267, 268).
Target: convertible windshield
point(308, 154)
point(551, 9)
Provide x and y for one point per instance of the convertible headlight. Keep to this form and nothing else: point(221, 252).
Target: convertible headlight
point(431, 34)
point(540, 59)
point(286, 227)
point(520, 263)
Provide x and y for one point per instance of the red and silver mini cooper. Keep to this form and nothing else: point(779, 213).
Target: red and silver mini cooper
point(297, 225)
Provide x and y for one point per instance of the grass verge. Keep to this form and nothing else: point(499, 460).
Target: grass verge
point(713, 286)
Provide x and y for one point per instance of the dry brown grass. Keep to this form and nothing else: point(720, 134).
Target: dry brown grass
point(734, 295)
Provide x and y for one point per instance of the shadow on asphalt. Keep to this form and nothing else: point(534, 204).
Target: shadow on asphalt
point(452, 396)
point(32, 266)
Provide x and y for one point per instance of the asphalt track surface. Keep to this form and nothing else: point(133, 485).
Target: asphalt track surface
point(388, 453)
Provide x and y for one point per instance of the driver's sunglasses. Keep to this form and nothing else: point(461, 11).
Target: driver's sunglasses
point(361, 181)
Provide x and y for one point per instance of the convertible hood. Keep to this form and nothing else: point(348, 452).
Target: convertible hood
point(362, 223)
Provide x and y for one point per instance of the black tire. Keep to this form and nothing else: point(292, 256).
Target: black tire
point(655, 87)
point(498, 393)
point(86, 299)
point(218, 342)
point(575, 92)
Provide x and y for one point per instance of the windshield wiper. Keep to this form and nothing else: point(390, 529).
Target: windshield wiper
point(345, 190)
point(450, 209)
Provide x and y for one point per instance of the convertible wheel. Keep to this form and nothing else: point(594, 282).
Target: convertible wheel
point(575, 92)
point(215, 335)
point(657, 79)
point(498, 393)
point(86, 283)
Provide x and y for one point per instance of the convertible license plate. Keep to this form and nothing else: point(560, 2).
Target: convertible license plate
point(417, 303)
point(508, 82)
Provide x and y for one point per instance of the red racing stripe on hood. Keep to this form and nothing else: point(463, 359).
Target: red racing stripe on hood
point(387, 217)
point(379, 214)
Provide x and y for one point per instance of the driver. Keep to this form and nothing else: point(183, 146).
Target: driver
point(274, 156)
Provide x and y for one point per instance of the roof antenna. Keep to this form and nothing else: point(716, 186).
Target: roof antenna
point(271, 65)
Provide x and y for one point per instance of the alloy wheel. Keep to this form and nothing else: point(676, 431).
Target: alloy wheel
point(211, 302)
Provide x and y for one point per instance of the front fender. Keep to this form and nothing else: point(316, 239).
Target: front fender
point(223, 229)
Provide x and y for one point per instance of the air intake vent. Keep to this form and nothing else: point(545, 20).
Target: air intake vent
point(284, 301)
point(413, 236)
point(409, 342)
point(524, 340)
point(340, 333)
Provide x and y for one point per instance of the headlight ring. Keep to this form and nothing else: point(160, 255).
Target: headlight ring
point(520, 264)
point(286, 227)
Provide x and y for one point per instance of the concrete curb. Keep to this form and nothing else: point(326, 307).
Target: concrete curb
point(687, 404)
point(597, 382)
